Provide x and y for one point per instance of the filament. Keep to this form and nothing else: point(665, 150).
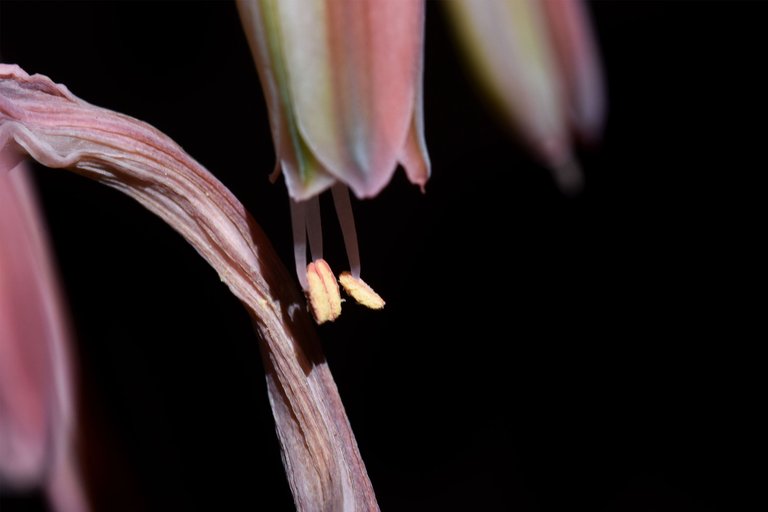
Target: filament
point(305, 223)
point(347, 222)
point(299, 227)
point(314, 228)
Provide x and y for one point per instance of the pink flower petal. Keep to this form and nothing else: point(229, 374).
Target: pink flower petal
point(348, 74)
point(580, 67)
point(36, 390)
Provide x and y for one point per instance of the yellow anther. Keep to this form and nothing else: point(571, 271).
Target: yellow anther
point(323, 292)
point(360, 291)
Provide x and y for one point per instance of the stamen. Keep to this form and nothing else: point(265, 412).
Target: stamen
point(360, 291)
point(323, 292)
point(299, 227)
point(305, 223)
point(317, 279)
point(347, 223)
point(314, 228)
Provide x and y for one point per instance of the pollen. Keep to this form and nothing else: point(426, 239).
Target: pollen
point(360, 291)
point(322, 292)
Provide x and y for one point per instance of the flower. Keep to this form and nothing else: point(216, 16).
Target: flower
point(36, 389)
point(538, 62)
point(343, 84)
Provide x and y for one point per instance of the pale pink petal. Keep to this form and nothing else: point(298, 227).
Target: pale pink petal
point(304, 175)
point(507, 41)
point(580, 67)
point(414, 157)
point(26, 401)
point(352, 68)
point(36, 391)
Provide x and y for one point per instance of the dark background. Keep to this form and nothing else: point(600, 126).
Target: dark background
point(537, 353)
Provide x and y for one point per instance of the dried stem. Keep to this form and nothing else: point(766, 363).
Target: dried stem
point(47, 122)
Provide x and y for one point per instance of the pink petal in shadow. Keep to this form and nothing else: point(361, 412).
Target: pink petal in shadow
point(36, 390)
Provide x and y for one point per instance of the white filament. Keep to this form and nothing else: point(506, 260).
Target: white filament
point(305, 223)
point(347, 222)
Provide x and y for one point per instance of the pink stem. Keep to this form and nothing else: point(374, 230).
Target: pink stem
point(321, 458)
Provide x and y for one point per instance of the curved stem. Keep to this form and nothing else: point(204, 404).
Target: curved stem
point(324, 467)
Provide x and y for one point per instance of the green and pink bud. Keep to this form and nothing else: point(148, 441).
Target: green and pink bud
point(537, 61)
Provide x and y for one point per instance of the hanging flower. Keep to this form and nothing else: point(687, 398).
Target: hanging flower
point(538, 62)
point(36, 390)
point(343, 83)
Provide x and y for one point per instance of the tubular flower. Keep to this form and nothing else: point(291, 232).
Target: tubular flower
point(343, 84)
point(538, 62)
point(36, 395)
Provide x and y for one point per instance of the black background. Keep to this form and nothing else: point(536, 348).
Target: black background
point(537, 352)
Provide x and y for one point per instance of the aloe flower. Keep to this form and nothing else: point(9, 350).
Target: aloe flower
point(36, 389)
point(538, 62)
point(343, 84)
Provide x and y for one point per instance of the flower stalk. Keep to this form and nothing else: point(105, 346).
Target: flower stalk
point(47, 122)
